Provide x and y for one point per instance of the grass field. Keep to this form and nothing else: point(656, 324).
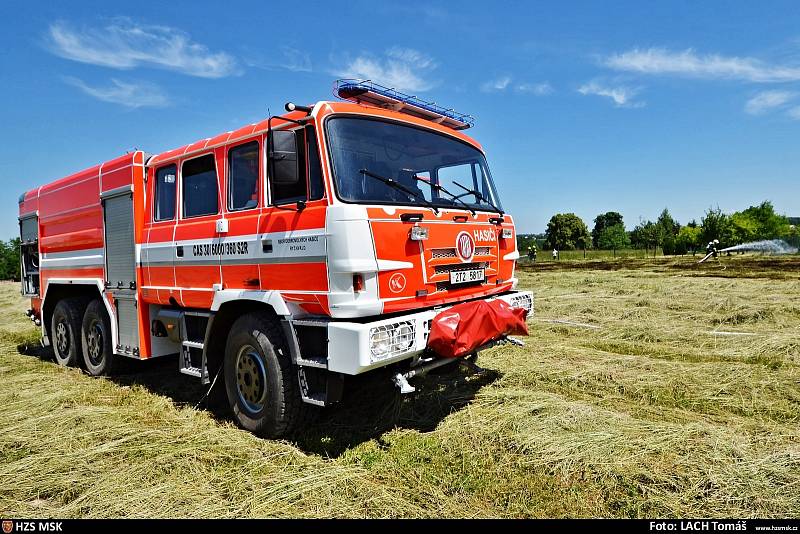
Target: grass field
point(630, 399)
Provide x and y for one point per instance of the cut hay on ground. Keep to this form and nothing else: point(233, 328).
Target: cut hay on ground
point(645, 415)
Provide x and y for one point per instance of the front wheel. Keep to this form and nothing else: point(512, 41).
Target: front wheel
point(259, 377)
point(98, 358)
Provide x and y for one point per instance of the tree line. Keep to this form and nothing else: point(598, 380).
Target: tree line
point(9, 259)
point(567, 231)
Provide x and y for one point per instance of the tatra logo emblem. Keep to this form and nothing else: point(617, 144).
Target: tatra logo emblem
point(397, 282)
point(465, 246)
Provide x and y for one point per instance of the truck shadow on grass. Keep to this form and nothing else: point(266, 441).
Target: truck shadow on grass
point(371, 404)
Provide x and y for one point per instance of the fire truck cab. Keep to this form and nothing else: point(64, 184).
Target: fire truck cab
point(278, 258)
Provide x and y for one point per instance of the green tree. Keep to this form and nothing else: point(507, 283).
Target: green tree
point(668, 232)
point(9, 259)
point(638, 235)
point(567, 231)
point(603, 221)
point(744, 228)
point(613, 237)
point(717, 225)
point(767, 223)
point(688, 239)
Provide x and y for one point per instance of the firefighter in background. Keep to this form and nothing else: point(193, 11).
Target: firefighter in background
point(555, 254)
point(532, 253)
point(711, 248)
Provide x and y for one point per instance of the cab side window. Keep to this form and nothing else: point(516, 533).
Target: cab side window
point(288, 176)
point(199, 180)
point(315, 185)
point(164, 208)
point(296, 148)
point(243, 176)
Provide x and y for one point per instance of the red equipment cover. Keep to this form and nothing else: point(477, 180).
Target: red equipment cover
point(463, 328)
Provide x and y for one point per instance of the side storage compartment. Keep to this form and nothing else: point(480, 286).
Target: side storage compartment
point(120, 257)
point(127, 324)
point(29, 255)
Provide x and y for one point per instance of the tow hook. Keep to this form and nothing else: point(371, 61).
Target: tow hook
point(401, 379)
point(402, 382)
point(514, 341)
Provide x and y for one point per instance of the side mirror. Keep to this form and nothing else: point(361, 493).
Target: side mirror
point(284, 169)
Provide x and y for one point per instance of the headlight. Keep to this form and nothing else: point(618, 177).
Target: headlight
point(419, 233)
point(391, 340)
point(523, 301)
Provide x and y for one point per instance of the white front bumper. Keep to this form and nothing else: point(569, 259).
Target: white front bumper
point(349, 342)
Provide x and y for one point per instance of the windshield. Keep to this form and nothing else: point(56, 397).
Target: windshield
point(367, 153)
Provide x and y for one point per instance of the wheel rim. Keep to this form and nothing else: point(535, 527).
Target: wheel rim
point(251, 378)
point(62, 339)
point(94, 343)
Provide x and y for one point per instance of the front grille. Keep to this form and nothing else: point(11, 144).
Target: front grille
point(438, 253)
point(446, 269)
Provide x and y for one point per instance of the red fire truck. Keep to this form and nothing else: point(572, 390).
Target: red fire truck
point(280, 257)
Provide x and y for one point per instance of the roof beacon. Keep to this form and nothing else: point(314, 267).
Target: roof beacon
point(369, 92)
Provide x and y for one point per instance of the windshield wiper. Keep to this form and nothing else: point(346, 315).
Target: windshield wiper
point(479, 196)
point(438, 187)
point(399, 187)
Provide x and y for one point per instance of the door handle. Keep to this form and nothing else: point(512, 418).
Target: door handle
point(179, 251)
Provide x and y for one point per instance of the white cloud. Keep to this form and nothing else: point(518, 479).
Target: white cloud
point(539, 89)
point(621, 95)
point(295, 60)
point(124, 44)
point(128, 94)
point(689, 63)
point(505, 83)
point(287, 57)
point(767, 101)
point(404, 69)
point(500, 84)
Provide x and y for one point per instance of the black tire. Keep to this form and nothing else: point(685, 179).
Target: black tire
point(65, 331)
point(260, 379)
point(98, 357)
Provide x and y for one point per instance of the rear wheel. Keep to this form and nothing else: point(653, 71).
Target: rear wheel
point(260, 379)
point(98, 358)
point(65, 331)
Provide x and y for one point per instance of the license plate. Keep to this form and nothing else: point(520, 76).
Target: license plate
point(467, 276)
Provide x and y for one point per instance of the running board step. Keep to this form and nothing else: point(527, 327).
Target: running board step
point(319, 362)
point(194, 325)
point(192, 371)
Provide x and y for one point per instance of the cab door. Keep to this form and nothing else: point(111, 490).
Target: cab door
point(158, 250)
point(292, 229)
point(197, 243)
point(244, 201)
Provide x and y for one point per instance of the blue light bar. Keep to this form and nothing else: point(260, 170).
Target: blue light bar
point(369, 92)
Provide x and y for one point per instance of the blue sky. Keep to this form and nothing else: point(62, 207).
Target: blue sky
point(584, 107)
